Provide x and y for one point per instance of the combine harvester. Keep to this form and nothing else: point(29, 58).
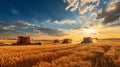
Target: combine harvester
point(22, 40)
point(66, 41)
point(88, 40)
point(56, 41)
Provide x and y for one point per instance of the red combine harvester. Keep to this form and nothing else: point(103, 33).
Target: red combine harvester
point(87, 40)
point(67, 40)
point(21, 40)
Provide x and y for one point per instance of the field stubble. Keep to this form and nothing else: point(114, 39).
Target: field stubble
point(100, 54)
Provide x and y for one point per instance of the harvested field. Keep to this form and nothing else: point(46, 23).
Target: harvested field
point(104, 53)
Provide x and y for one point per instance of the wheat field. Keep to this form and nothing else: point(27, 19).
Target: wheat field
point(103, 53)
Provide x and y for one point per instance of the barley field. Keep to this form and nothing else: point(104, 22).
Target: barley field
point(103, 53)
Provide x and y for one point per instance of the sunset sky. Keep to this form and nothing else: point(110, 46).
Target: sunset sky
point(46, 19)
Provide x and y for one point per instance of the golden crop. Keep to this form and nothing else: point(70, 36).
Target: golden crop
point(104, 53)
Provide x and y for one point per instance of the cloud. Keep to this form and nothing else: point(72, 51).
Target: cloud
point(111, 14)
point(114, 24)
point(8, 32)
point(87, 10)
point(50, 31)
point(20, 23)
point(2, 29)
point(17, 23)
point(65, 21)
point(83, 6)
point(14, 11)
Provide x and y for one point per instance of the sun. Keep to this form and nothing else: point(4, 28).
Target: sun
point(89, 31)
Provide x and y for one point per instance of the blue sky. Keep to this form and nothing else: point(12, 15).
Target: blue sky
point(35, 12)
point(27, 16)
point(29, 9)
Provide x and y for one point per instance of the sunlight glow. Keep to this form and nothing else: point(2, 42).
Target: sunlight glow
point(89, 31)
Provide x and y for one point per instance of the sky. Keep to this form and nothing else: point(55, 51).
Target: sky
point(47, 19)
